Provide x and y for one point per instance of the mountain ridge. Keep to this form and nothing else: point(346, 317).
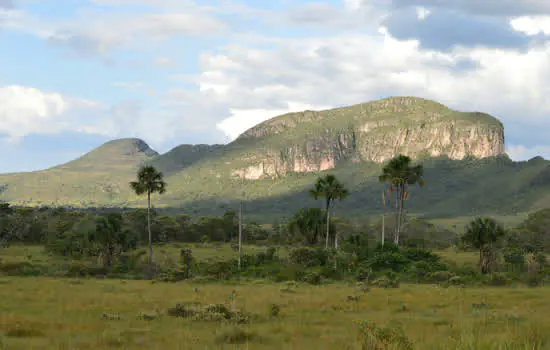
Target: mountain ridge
point(276, 165)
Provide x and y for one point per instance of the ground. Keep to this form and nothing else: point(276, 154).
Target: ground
point(61, 313)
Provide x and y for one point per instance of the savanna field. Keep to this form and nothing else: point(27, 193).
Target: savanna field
point(95, 313)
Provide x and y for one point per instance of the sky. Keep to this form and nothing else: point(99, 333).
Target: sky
point(77, 73)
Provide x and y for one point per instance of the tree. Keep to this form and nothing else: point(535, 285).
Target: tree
point(483, 234)
point(149, 181)
point(110, 236)
point(331, 189)
point(398, 174)
point(308, 224)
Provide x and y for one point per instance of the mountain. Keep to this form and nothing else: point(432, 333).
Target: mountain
point(376, 131)
point(275, 163)
point(98, 177)
point(183, 156)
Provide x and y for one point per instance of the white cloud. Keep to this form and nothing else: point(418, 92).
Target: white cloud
point(25, 110)
point(509, 84)
point(531, 25)
point(243, 119)
point(519, 152)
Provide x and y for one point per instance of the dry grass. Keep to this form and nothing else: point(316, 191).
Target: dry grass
point(43, 313)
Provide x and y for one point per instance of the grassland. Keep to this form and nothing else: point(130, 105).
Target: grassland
point(63, 313)
point(42, 313)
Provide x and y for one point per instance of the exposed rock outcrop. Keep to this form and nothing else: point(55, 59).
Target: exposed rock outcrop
point(377, 131)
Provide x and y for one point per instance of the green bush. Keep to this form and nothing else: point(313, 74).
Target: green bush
point(309, 257)
point(312, 276)
point(24, 268)
point(219, 269)
point(499, 279)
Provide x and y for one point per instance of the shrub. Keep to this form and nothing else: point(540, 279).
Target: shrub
point(235, 335)
point(499, 279)
point(373, 336)
point(220, 269)
point(273, 310)
point(312, 277)
point(77, 269)
point(309, 257)
point(24, 268)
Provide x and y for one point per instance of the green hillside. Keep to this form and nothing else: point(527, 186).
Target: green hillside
point(201, 178)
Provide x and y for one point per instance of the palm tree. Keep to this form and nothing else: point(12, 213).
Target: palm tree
point(308, 224)
point(398, 174)
point(331, 189)
point(149, 181)
point(482, 233)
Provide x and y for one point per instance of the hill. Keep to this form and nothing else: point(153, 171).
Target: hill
point(276, 162)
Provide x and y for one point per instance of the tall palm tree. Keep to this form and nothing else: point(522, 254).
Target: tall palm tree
point(149, 181)
point(482, 233)
point(331, 189)
point(398, 174)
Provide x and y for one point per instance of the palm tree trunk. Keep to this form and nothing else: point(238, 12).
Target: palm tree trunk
point(383, 227)
point(240, 231)
point(328, 223)
point(150, 256)
point(402, 209)
point(397, 214)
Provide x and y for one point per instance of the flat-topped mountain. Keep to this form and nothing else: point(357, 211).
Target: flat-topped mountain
point(375, 131)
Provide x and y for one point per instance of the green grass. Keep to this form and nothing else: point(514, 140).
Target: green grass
point(44, 313)
point(201, 252)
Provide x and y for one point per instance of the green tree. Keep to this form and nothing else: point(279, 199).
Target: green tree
point(149, 181)
point(483, 234)
point(398, 174)
point(110, 236)
point(331, 189)
point(308, 224)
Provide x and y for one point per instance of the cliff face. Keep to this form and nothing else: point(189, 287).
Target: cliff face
point(377, 131)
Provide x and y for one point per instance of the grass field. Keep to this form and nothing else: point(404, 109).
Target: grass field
point(62, 313)
point(44, 313)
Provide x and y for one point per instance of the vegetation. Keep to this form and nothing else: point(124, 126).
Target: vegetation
point(289, 289)
point(398, 175)
point(331, 189)
point(149, 181)
point(483, 234)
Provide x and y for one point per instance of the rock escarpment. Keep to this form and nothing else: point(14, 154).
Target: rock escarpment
point(377, 131)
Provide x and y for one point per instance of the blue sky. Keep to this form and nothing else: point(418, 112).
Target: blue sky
point(76, 73)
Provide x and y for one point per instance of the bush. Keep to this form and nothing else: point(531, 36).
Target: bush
point(24, 268)
point(499, 279)
point(220, 269)
point(309, 257)
point(77, 269)
point(312, 277)
point(441, 276)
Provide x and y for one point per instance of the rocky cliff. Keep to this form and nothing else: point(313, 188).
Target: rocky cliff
point(376, 131)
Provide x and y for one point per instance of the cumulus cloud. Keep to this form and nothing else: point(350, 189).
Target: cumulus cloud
point(102, 32)
point(331, 71)
point(469, 55)
point(444, 29)
point(531, 25)
point(25, 110)
point(519, 152)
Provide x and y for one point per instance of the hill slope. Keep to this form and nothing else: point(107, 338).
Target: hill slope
point(276, 162)
point(99, 177)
